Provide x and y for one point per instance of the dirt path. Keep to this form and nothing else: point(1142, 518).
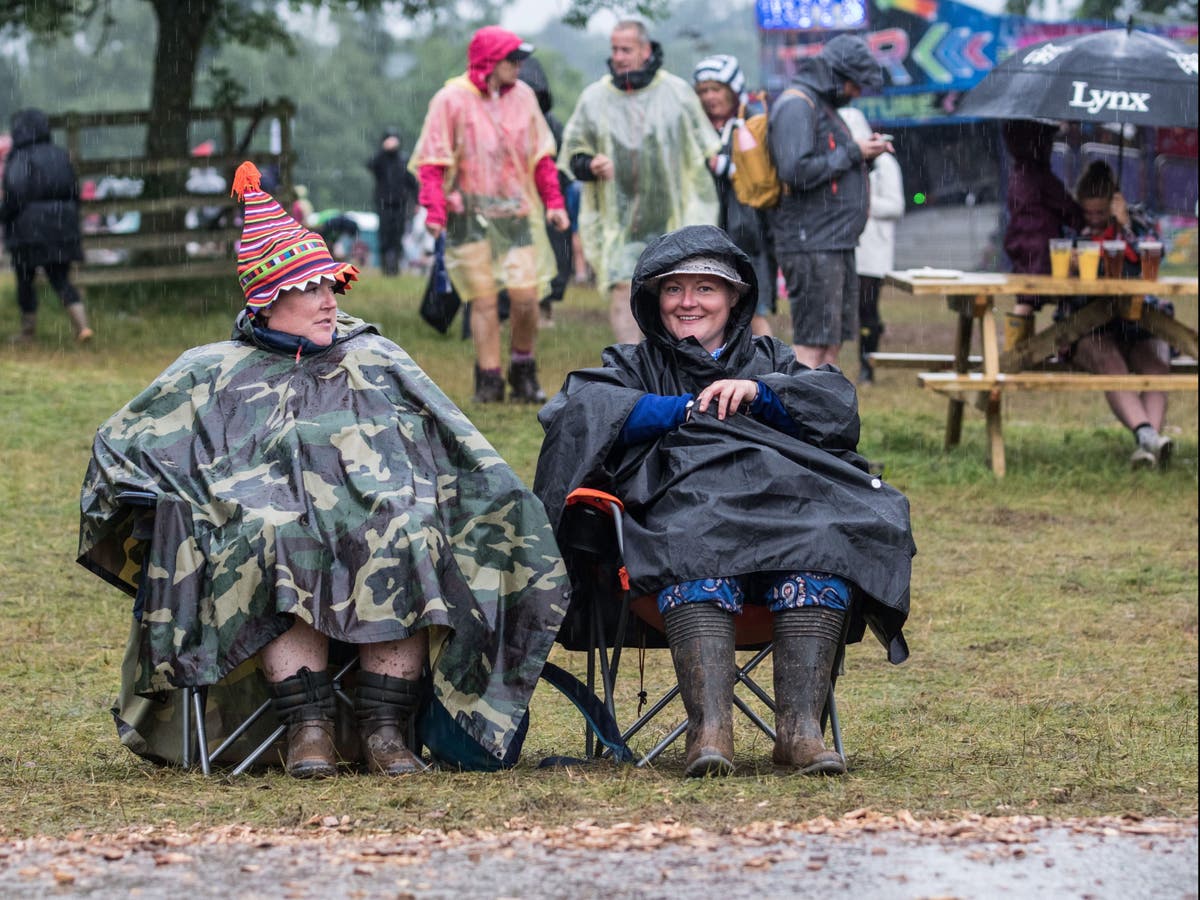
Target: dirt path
point(863, 854)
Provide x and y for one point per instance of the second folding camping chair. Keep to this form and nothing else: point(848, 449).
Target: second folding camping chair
point(605, 618)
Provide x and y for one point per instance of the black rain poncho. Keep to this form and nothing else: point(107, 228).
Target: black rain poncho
point(728, 498)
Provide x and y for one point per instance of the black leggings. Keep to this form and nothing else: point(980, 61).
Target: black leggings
point(57, 274)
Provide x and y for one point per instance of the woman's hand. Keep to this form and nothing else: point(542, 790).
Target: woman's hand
point(729, 393)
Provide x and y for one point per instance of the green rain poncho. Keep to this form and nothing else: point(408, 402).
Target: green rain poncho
point(341, 487)
point(659, 140)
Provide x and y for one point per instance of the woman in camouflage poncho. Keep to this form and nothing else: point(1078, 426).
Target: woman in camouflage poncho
point(311, 483)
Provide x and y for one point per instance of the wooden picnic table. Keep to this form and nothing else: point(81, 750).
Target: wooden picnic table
point(972, 295)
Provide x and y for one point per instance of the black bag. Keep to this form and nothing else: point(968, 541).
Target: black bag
point(440, 304)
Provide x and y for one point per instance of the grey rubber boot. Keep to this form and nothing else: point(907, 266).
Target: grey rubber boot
point(806, 645)
point(700, 636)
point(385, 707)
point(304, 702)
point(79, 322)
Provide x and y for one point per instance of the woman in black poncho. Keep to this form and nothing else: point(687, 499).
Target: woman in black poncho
point(741, 483)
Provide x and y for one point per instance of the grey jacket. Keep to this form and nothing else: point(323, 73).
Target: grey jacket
point(826, 191)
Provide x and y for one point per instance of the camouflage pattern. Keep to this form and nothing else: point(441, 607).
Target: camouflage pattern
point(341, 487)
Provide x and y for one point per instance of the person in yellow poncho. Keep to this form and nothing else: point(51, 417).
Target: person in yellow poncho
point(485, 161)
point(640, 142)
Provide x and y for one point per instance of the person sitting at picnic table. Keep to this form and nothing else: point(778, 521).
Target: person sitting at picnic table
point(1121, 346)
point(312, 484)
point(738, 470)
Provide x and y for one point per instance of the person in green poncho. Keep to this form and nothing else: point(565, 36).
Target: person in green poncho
point(310, 484)
point(640, 143)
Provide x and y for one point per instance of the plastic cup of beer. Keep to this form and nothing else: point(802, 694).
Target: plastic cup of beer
point(1087, 257)
point(1151, 253)
point(1114, 258)
point(1060, 257)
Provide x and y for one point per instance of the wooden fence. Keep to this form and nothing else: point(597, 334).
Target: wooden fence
point(196, 252)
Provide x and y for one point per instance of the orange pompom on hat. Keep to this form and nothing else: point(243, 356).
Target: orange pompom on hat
point(276, 253)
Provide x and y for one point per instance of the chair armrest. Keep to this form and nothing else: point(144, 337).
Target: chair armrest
point(137, 498)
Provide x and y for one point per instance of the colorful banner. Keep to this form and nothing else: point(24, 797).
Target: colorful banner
point(931, 50)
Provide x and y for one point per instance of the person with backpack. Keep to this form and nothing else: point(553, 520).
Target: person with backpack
point(822, 208)
point(720, 85)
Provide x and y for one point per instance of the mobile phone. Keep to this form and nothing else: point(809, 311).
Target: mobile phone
point(887, 138)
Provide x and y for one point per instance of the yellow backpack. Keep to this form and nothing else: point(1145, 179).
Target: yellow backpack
point(755, 181)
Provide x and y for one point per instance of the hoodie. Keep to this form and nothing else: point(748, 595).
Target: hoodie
point(40, 209)
point(826, 192)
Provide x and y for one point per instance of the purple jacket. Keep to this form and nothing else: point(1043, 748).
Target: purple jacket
point(1039, 206)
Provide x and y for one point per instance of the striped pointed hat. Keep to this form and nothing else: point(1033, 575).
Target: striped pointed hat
point(276, 253)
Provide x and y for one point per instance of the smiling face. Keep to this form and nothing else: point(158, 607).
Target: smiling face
point(309, 313)
point(696, 306)
point(629, 51)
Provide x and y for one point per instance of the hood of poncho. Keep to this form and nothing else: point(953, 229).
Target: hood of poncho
point(663, 255)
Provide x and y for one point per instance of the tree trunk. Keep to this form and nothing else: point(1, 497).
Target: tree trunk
point(182, 28)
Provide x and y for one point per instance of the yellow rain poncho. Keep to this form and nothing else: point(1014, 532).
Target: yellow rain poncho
point(659, 140)
point(489, 146)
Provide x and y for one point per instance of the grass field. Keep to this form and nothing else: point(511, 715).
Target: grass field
point(1053, 627)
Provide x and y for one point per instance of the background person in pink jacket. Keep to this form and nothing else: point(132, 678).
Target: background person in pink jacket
point(485, 160)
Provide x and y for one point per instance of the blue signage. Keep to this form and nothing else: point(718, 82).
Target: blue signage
point(811, 15)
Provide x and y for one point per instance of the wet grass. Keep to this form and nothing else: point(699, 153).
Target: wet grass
point(1053, 629)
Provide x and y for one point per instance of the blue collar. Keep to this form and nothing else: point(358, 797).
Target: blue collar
point(282, 342)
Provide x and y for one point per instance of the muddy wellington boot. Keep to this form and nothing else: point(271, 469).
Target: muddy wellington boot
point(385, 707)
point(806, 644)
point(79, 323)
point(700, 636)
point(304, 703)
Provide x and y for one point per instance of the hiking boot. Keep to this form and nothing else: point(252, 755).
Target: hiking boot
point(304, 702)
point(546, 314)
point(806, 644)
point(700, 636)
point(385, 707)
point(79, 323)
point(522, 377)
point(489, 387)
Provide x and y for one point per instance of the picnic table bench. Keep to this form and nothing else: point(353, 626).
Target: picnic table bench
point(1032, 364)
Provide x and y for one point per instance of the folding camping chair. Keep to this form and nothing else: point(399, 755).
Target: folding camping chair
point(251, 734)
point(605, 617)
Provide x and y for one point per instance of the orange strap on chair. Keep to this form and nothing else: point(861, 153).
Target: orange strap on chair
point(623, 574)
point(592, 497)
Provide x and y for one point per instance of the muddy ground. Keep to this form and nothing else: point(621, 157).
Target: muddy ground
point(862, 854)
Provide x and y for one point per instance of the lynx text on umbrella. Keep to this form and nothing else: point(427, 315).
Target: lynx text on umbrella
point(1094, 101)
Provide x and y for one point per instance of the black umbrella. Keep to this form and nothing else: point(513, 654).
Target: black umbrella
point(1120, 75)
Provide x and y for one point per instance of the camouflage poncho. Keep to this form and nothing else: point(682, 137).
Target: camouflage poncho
point(342, 487)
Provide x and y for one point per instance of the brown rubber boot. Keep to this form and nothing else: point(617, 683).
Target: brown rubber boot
point(806, 644)
point(79, 322)
point(385, 707)
point(304, 702)
point(28, 332)
point(1017, 330)
point(700, 636)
